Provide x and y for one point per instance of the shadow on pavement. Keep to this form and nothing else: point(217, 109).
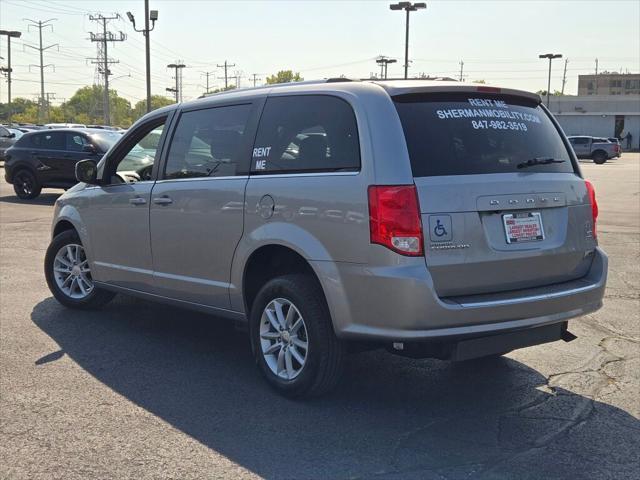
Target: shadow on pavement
point(390, 417)
point(42, 199)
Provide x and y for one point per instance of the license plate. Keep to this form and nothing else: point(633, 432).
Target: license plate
point(523, 227)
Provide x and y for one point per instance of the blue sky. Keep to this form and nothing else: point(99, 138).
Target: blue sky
point(499, 41)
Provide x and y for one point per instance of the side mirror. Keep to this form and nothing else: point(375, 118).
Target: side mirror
point(89, 149)
point(11, 135)
point(87, 171)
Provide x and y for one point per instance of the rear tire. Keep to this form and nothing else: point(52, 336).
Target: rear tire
point(26, 185)
point(68, 274)
point(599, 157)
point(277, 343)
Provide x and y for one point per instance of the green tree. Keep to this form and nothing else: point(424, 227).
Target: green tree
point(19, 106)
point(543, 93)
point(157, 101)
point(284, 76)
point(86, 106)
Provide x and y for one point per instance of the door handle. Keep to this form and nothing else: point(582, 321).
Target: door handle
point(164, 200)
point(137, 201)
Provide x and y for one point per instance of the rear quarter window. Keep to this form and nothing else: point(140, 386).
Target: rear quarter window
point(306, 133)
point(475, 133)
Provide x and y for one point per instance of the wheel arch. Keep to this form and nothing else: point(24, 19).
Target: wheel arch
point(68, 218)
point(62, 226)
point(21, 165)
point(270, 261)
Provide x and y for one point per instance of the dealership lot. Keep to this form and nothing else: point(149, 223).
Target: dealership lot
point(140, 390)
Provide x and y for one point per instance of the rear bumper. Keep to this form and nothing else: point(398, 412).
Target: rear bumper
point(399, 303)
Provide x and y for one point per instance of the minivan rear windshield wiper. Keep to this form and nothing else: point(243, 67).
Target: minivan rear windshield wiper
point(538, 161)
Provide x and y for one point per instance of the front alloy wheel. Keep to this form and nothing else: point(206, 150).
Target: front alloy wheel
point(68, 273)
point(283, 338)
point(71, 271)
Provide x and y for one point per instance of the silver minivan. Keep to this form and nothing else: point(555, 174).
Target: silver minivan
point(435, 219)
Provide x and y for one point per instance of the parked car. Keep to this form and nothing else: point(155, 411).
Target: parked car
point(65, 125)
point(598, 149)
point(47, 158)
point(616, 142)
point(436, 219)
point(8, 137)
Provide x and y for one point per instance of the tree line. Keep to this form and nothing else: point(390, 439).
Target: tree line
point(86, 105)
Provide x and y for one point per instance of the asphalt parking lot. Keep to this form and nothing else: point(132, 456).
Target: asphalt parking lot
point(145, 391)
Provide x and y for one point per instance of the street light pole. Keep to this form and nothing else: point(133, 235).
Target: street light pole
point(153, 16)
point(550, 56)
point(9, 34)
point(408, 7)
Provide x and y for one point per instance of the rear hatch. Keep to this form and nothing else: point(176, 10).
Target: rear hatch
point(502, 204)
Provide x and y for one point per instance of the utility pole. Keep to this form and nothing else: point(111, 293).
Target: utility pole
point(407, 7)
point(153, 16)
point(49, 96)
point(596, 76)
point(255, 79)
point(64, 110)
point(384, 62)
point(10, 34)
point(178, 66)
point(238, 75)
point(461, 70)
point(207, 75)
point(226, 78)
point(564, 75)
point(104, 38)
point(40, 25)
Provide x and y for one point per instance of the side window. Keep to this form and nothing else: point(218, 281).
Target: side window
point(134, 161)
point(306, 133)
point(49, 141)
point(75, 142)
point(4, 132)
point(580, 141)
point(207, 143)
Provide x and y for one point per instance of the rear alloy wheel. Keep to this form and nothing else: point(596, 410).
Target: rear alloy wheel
point(26, 185)
point(283, 338)
point(599, 158)
point(68, 273)
point(292, 337)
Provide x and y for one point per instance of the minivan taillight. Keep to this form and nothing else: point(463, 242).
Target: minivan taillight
point(394, 218)
point(594, 205)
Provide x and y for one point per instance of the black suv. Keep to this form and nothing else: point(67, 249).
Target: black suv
point(47, 158)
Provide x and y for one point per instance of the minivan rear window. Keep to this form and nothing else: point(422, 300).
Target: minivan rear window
point(470, 133)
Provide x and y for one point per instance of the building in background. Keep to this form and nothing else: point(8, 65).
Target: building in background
point(599, 115)
point(609, 83)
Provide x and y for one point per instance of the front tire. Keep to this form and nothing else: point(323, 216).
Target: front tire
point(26, 185)
point(292, 337)
point(68, 275)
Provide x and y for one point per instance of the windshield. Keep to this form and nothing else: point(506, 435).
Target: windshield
point(473, 133)
point(105, 140)
point(16, 132)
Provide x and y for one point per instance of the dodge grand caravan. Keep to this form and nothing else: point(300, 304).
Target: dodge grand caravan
point(434, 219)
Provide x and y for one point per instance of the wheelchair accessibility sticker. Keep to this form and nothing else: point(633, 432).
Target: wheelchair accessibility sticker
point(440, 228)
